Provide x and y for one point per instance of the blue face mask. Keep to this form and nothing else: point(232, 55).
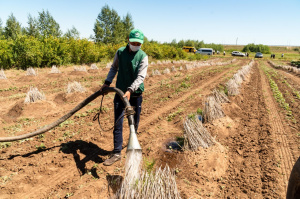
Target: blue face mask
point(134, 48)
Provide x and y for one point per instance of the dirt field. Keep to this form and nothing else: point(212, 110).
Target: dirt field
point(257, 141)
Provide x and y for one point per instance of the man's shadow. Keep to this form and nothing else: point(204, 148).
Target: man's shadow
point(91, 152)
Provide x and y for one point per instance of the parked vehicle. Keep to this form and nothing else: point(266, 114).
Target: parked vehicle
point(189, 49)
point(259, 55)
point(237, 53)
point(205, 51)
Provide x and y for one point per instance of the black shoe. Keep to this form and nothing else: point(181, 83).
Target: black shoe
point(113, 158)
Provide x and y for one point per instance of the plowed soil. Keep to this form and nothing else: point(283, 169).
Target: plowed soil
point(257, 142)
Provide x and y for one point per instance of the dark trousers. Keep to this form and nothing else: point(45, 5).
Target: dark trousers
point(119, 107)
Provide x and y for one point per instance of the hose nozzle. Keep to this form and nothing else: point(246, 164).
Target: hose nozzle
point(133, 143)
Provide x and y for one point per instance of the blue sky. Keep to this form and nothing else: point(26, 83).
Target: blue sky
point(268, 22)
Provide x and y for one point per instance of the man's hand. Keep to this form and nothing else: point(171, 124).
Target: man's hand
point(103, 86)
point(127, 94)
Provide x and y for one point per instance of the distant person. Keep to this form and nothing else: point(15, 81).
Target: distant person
point(224, 53)
point(282, 55)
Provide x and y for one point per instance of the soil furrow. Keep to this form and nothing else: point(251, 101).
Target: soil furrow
point(279, 133)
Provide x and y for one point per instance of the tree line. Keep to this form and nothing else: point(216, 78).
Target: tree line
point(43, 44)
point(256, 48)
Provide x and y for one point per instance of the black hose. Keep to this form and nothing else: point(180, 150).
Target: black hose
point(72, 112)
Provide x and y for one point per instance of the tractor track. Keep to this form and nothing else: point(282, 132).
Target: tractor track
point(251, 171)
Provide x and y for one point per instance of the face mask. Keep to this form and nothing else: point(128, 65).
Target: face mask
point(134, 48)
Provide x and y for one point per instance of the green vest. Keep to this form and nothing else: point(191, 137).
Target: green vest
point(129, 63)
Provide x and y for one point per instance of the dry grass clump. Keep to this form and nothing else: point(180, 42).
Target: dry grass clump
point(212, 109)
point(34, 95)
point(220, 96)
point(285, 67)
point(234, 83)
point(2, 74)
point(54, 69)
point(173, 69)
point(94, 67)
point(31, 72)
point(189, 67)
point(166, 71)
point(195, 134)
point(160, 184)
point(80, 68)
point(166, 62)
point(155, 72)
point(158, 62)
point(75, 87)
point(232, 87)
point(108, 65)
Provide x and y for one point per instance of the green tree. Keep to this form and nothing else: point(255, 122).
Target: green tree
point(128, 25)
point(108, 27)
point(12, 28)
point(173, 43)
point(256, 48)
point(47, 25)
point(181, 43)
point(73, 33)
point(6, 53)
point(32, 29)
point(1, 28)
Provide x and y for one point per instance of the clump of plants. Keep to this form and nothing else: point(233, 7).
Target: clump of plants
point(212, 109)
point(80, 68)
point(54, 69)
point(2, 74)
point(220, 96)
point(158, 184)
point(234, 83)
point(108, 65)
point(232, 87)
point(155, 72)
point(75, 87)
point(31, 72)
point(195, 134)
point(166, 71)
point(34, 95)
point(94, 67)
point(173, 69)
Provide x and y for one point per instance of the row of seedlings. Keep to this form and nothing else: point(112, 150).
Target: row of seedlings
point(292, 69)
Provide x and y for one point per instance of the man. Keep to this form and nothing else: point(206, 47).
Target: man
point(131, 64)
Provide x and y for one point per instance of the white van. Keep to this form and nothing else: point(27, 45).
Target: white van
point(205, 51)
